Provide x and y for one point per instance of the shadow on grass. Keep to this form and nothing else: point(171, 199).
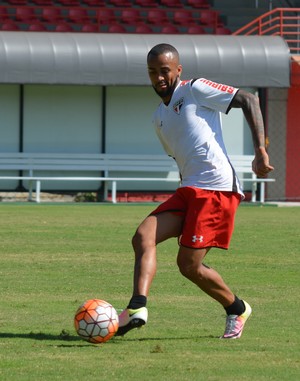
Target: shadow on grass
point(40, 336)
point(169, 338)
point(65, 336)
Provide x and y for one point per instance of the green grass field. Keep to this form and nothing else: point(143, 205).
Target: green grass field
point(54, 257)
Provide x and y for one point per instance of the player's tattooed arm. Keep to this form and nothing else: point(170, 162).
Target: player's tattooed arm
point(249, 103)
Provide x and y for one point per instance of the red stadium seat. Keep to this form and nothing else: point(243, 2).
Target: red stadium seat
point(130, 16)
point(63, 27)
point(43, 2)
point(209, 18)
point(4, 16)
point(183, 17)
point(196, 29)
point(77, 15)
point(116, 28)
point(17, 2)
point(169, 29)
point(90, 28)
point(198, 3)
point(222, 30)
point(37, 27)
point(157, 16)
point(95, 3)
point(143, 29)
point(106, 16)
point(10, 26)
point(147, 3)
point(51, 15)
point(69, 3)
point(120, 3)
point(172, 3)
point(25, 14)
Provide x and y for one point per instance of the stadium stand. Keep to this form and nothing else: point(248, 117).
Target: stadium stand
point(112, 16)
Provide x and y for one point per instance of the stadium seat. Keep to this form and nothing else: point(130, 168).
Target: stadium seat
point(116, 28)
point(147, 3)
point(169, 29)
point(157, 16)
point(25, 14)
point(43, 2)
point(77, 15)
point(4, 16)
point(208, 17)
point(198, 3)
point(37, 27)
point(17, 2)
point(222, 30)
point(94, 3)
point(10, 26)
point(120, 3)
point(63, 27)
point(106, 16)
point(183, 17)
point(90, 28)
point(143, 29)
point(69, 3)
point(171, 3)
point(130, 16)
point(51, 15)
point(196, 29)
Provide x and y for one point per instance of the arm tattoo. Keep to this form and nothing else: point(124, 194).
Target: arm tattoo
point(252, 112)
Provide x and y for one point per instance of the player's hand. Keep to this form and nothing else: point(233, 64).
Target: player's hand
point(260, 165)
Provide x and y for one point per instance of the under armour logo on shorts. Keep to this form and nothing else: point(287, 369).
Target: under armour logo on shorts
point(196, 238)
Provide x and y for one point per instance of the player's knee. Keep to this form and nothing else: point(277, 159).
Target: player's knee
point(142, 240)
point(191, 271)
point(186, 269)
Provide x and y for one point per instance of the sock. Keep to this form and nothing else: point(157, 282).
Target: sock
point(137, 301)
point(236, 308)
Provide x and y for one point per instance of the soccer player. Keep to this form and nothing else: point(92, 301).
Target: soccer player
point(201, 212)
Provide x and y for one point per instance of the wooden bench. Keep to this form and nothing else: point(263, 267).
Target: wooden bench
point(107, 168)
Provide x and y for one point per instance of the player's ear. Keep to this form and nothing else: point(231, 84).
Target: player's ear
point(179, 70)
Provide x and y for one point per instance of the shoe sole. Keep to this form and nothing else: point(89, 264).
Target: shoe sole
point(134, 323)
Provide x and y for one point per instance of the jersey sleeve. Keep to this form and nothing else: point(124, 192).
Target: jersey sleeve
point(213, 95)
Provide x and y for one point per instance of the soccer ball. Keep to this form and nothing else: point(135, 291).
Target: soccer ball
point(96, 321)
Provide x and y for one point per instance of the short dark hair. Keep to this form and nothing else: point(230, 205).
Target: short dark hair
point(159, 49)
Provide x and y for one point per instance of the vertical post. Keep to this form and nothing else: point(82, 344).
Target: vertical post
point(114, 192)
point(262, 192)
point(270, 5)
point(30, 190)
point(38, 191)
point(254, 188)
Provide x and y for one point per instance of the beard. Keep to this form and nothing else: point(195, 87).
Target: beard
point(168, 91)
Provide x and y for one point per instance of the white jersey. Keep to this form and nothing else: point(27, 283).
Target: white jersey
point(190, 131)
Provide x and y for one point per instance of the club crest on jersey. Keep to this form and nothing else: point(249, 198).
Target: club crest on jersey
point(177, 106)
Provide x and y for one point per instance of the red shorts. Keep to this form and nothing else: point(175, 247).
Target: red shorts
point(208, 216)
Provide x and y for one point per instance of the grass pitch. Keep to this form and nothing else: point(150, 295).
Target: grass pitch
point(54, 257)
